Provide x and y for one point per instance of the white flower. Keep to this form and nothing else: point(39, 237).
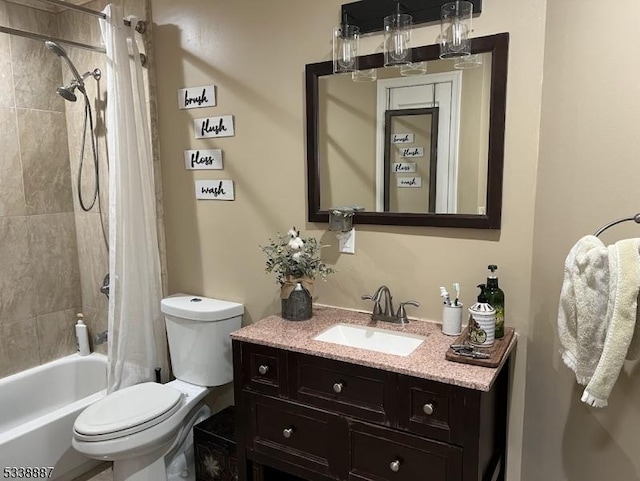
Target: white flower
point(296, 243)
point(297, 256)
point(293, 232)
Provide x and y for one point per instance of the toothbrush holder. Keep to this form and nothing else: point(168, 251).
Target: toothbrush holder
point(452, 320)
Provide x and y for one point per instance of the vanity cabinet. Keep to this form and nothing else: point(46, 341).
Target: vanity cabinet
point(321, 419)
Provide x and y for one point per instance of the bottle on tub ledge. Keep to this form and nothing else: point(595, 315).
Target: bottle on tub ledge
point(495, 297)
point(82, 336)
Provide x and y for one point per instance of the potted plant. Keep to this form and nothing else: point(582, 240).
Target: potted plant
point(296, 262)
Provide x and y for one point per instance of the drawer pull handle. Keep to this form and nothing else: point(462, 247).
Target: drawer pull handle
point(287, 432)
point(337, 387)
point(263, 369)
point(428, 409)
point(395, 466)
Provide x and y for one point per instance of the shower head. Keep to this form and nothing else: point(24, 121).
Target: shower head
point(67, 92)
point(60, 52)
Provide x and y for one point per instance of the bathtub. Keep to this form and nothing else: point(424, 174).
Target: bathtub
point(37, 410)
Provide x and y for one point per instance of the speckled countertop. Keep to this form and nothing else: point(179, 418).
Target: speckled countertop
point(427, 361)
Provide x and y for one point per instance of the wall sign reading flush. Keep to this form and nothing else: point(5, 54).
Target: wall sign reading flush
point(209, 127)
point(214, 190)
point(196, 97)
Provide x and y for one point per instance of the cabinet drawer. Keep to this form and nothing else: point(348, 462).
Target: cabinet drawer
point(297, 435)
point(264, 369)
point(380, 454)
point(353, 390)
point(431, 408)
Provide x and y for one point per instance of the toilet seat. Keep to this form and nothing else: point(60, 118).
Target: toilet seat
point(128, 411)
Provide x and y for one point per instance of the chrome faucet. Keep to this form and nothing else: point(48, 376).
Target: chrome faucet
point(383, 307)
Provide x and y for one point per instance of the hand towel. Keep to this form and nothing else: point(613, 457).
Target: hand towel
point(582, 313)
point(624, 288)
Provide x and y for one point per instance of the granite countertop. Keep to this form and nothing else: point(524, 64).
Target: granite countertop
point(426, 362)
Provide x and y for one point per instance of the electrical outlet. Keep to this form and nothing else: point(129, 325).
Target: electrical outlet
point(348, 242)
point(482, 210)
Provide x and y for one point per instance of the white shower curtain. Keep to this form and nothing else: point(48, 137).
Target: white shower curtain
point(137, 337)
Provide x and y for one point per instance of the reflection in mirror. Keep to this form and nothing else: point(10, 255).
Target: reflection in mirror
point(459, 142)
point(410, 163)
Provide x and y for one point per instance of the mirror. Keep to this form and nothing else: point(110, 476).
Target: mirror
point(412, 150)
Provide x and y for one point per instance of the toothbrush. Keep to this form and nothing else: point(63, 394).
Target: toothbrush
point(456, 287)
point(445, 295)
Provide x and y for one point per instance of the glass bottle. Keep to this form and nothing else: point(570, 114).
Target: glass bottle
point(495, 297)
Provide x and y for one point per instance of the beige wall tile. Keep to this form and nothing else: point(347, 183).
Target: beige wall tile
point(97, 321)
point(93, 257)
point(56, 334)
point(18, 346)
point(45, 161)
point(11, 189)
point(16, 277)
point(54, 258)
point(36, 70)
point(6, 72)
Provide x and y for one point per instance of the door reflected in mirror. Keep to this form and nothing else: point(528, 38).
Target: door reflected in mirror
point(454, 116)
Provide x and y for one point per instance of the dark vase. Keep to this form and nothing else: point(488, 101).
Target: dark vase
point(298, 306)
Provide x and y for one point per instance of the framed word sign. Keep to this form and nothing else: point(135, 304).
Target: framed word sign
point(403, 167)
point(402, 138)
point(203, 159)
point(214, 190)
point(196, 97)
point(209, 127)
point(412, 152)
point(415, 182)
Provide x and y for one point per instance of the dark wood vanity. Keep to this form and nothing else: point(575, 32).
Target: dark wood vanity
point(326, 419)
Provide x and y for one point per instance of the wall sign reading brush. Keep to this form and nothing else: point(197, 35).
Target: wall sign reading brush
point(197, 97)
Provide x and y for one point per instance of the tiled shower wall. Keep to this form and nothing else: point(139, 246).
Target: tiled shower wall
point(53, 255)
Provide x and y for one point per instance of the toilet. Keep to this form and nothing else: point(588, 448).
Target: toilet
point(146, 429)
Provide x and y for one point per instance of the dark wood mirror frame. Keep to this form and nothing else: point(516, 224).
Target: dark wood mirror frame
point(498, 46)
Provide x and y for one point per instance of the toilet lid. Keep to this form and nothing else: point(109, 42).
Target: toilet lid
point(127, 411)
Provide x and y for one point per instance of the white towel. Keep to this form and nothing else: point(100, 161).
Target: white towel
point(582, 313)
point(625, 284)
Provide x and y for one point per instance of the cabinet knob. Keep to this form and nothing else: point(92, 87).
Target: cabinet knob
point(263, 369)
point(428, 409)
point(287, 432)
point(395, 466)
point(337, 387)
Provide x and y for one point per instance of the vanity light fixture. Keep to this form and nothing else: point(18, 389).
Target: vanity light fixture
point(346, 39)
point(455, 29)
point(397, 38)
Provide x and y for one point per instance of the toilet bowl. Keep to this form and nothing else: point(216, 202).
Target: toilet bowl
point(146, 429)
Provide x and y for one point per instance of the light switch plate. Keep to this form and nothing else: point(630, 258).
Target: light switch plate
point(348, 242)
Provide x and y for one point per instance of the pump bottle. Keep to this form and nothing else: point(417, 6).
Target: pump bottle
point(82, 336)
point(495, 297)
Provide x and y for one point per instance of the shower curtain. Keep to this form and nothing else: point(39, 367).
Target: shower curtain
point(137, 337)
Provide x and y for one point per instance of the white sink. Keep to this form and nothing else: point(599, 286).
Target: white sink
point(371, 338)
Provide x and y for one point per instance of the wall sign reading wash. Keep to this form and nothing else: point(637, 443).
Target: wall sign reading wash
point(196, 97)
point(214, 190)
point(209, 127)
point(415, 182)
point(210, 159)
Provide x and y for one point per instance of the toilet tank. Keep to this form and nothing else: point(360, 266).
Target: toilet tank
point(198, 330)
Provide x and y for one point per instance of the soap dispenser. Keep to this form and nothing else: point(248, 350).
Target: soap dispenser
point(482, 321)
point(495, 296)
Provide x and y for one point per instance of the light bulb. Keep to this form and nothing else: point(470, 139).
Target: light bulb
point(457, 36)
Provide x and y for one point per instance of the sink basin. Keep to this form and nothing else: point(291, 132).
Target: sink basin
point(371, 338)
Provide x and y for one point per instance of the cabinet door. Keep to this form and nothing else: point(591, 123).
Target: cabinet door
point(302, 437)
point(380, 454)
point(356, 391)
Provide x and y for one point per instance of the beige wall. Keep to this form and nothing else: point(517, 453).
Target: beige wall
point(588, 175)
point(255, 52)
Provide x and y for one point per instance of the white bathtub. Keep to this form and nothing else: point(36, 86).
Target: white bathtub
point(37, 410)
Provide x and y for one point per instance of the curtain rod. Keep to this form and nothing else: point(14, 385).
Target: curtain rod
point(61, 41)
point(141, 26)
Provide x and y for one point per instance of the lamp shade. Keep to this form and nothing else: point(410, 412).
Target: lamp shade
point(455, 34)
point(397, 39)
point(346, 40)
